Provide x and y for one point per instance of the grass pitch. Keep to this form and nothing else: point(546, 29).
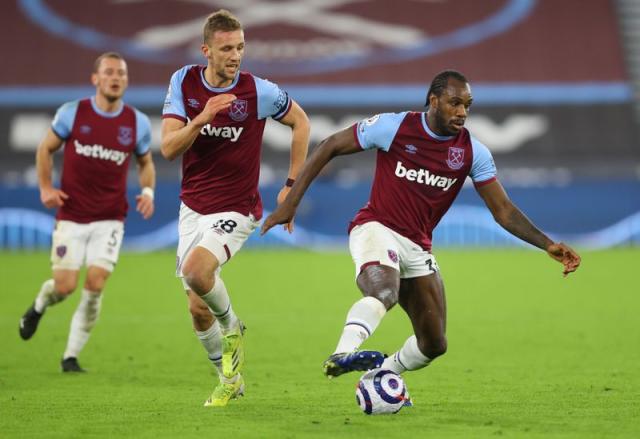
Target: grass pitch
point(530, 354)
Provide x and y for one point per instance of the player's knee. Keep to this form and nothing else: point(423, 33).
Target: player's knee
point(65, 286)
point(95, 284)
point(198, 278)
point(433, 347)
point(198, 282)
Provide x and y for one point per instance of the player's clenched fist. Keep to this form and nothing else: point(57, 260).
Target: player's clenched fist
point(212, 107)
point(52, 197)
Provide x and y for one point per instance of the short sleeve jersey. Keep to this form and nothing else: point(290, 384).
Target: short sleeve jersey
point(418, 173)
point(97, 150)
point(220, 171)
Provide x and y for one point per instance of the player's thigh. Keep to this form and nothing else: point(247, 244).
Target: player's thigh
point(103, 246)
point(373, 244)
point(68, 246)
point(206, 242)
point(423, 299)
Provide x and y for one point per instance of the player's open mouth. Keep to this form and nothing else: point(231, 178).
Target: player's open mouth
point(458, 123)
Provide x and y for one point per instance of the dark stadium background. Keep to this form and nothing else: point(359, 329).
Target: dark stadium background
point(555, 85)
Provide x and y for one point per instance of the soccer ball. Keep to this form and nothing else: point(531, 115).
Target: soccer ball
point(381, 391)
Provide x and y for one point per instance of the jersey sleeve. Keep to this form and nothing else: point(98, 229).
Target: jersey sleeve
point(272, 100)
point(64, 118)
point(377, 132)
point(143, 133)
point(174, 101)
point(483, 169)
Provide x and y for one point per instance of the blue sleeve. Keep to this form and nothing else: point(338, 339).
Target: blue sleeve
point(143, 133)
point(483, 168)
point(64, 118)
point(272, 100)
point(378, 131)
point(174, 101)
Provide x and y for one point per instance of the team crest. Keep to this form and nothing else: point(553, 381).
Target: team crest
point(61, 250)
point(238, 110)
point(393, 256)
point(456, 158)
point(125, 135)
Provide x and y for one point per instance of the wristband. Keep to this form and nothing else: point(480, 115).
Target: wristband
point(289, 182)
point(147, 191)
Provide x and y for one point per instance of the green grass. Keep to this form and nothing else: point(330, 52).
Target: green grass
point(530, 354)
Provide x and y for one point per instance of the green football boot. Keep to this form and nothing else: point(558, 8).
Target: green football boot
point(225, 392)
point(233, 350)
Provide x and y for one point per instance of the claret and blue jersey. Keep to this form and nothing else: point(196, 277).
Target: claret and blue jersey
point(220, 171)
point(97, 150)
point(418, 173)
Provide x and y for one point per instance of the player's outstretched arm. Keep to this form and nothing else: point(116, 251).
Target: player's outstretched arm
point(515, 222)
point(297, 119)
point(340, 143)
point(177, 136)
point(50, 196)
point(147, 178)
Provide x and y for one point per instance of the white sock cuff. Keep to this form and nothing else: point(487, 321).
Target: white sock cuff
point(48, 286)
point(218, 285)
point(367, 313)
point(410, 355)
point(375, 305)
point(91, 295)
point(208, 333)
point(218, 298)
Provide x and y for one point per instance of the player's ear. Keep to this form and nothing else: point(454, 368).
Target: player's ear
point(94, 79)
point(205, 50)
point(433, 100)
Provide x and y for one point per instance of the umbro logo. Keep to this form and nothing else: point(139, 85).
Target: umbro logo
point(411, 149)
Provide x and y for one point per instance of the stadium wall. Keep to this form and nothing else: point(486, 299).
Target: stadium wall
point(587, 214)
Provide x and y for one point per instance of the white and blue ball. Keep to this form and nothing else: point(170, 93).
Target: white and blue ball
point(381, 391)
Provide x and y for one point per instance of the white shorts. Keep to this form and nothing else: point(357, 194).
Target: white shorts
point(375, 244)
point(223, 234)
point(91, 244)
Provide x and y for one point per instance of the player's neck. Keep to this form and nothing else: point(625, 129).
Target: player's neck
point(431, 123)
point(106, 105)
point(214, 80)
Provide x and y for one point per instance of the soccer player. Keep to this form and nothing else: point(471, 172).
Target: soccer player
point(100, 134)
point(422, 162)
point(214, 116)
